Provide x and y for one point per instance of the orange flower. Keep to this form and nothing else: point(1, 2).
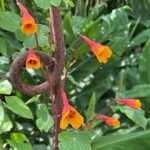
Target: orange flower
point(133, 103)
point(28, 23)
point(70, 115)
point(109, 121)
point(100, 51)
point(32, 60)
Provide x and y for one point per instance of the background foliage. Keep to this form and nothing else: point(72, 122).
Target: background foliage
point(25, 122)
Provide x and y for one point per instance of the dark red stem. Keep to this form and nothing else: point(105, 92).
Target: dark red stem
point(58, 39)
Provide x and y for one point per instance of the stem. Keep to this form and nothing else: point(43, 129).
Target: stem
point(37, 42)
point(58, 39)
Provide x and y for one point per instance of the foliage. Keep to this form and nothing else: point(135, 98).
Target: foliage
point(26, 122)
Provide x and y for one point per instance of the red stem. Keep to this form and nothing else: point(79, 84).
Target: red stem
point(58, 39)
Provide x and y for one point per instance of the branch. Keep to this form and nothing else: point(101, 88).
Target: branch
point(58, 39)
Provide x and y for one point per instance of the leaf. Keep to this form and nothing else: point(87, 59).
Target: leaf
point(18, 137)
point(20, 146)
point(33, 99)
point(1, 114)
point(75, 141)
point(44, 4)
point(144, 64)
point(135, 115)
point(44, 121)
point(55, 2)
point(9, 21)
point(122, 142)
point(5, 87)
point(19, 142)
point(140, 38)
point(3, 48)
point(138, 91)
point(17, 106)
point(42, 35)
point(91, 108)
point(6, 125)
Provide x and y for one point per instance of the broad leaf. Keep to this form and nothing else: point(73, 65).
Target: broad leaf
point(17, 106)
point(75, 141)
point(122, 142)
point(135, 115)
point(6, 124)
point(5, 87)
point(44, 4)
point(9, 21)
point(44, 121)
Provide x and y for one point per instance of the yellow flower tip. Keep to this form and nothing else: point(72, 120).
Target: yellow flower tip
point(109, 120)
point(137, 104)
point(113, 122)
point(102, 53)
point(32, 61)
point(72, 117)
point(29, 26)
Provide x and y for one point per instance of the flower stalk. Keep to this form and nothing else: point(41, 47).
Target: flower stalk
point(58, 39)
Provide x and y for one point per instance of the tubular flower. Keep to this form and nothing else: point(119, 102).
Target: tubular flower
point(109, 121)
point(29, 25)
point(70, 115)
point(32, 60)
point(100, 51)
point(133, 103)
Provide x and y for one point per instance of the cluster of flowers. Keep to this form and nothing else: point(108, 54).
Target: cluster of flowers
point(70, 115)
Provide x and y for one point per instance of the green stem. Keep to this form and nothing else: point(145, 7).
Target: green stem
point(2, 5)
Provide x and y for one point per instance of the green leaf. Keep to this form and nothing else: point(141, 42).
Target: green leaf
point(138, 91)
point(17, 106)
point(9, 21)
point(18, 137)
point(44, 121)
point(135, 115)
point(140, 38)
point(144, 64)
point(42, 35)
point(19, 142)
point(75, 141)
point(20, 146)
point(33, 99)
point(5, 87)
point(3, 48)
point(91, 108)
point(122, 142)
point(6, 125)
point(44, 4)
point(55, 2)
point(1, 114)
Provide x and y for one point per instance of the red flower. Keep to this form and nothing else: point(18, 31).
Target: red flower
point(28, 23)
point(32, 60)
point(100, 51)
point(70, 115)
point(133, 103)
point(109, 121)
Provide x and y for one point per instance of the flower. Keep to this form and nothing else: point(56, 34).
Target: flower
point(133, 103)
point(70, 115)
point(100, 51)
point(109, 121)
point(32, 60)
point(29, 25)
